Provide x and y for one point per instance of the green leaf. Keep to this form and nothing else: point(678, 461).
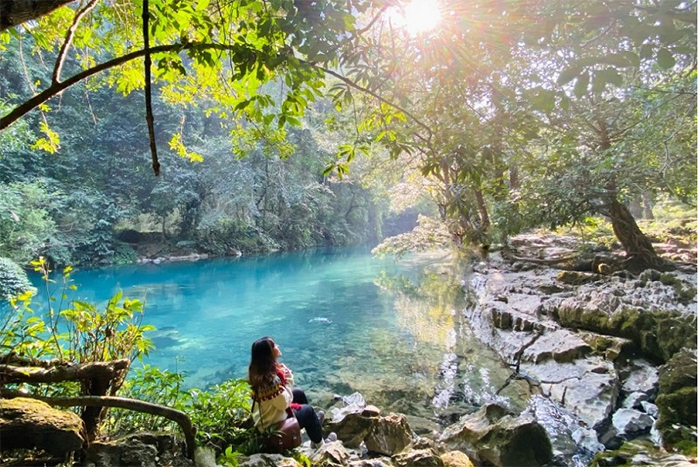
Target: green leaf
point(581, 86)
point(665, 59)
point(568, 75)
point(646, 51)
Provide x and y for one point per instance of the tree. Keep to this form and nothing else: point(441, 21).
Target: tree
point(225, 49)
point(491, 89)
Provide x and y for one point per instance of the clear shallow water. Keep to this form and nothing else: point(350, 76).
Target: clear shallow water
point(345, 322)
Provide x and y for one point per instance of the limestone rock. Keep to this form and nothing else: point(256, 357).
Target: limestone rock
point(456, 459)
point(29, 423)
point(561, 345)
point(352, 429)
point(414, 457)
point(634, 400)
point(389, 435)
point(494, 436)
point(631, 422)
point(588, 387)
point(331, 453)
point(641, 376)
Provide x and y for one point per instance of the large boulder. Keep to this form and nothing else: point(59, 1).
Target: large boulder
point(29, 423)
point(389, 435)
point(353, 428)
point(496, 437)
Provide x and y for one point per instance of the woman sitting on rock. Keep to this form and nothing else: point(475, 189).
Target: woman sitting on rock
point(274, 394)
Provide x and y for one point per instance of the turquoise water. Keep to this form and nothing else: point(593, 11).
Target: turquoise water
point(345, 322)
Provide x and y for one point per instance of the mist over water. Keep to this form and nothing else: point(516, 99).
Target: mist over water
point(345, 321)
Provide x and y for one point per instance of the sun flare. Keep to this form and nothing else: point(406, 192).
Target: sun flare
point(419, 16)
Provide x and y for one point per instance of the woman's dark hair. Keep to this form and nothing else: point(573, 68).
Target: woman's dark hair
point(263, 367)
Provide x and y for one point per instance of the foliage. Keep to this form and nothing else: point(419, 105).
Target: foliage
point(75, 331)
point(26, 226)
point(428, 234)
point(220, 413)
point(13, 280)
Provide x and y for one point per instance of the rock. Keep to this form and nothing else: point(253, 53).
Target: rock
point(650, 408)
point(631, 422)
point(658, 333)
point(266, 460)
point(639, 453)
point(634, 400)
point(28, 423)
point(370, 411)
point(139, 450)
point(456, 459)
point(561, 345)
point(370, 463)
point(494, 436)
point(330, 454)
point(352, 429)
point(389, 435)
point(677, 399)
point(577, 278)
point(588, 387)
point(587, 439)
point(415, 457)
point(640, 376)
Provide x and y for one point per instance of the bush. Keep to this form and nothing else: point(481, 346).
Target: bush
point(13, 280)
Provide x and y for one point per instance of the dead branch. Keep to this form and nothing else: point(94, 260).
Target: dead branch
point(69, 38)
point(62, 372)
point(181, 418)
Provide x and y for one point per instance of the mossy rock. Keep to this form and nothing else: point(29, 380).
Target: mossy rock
point(659, 334)
point(28, 423)
point(677, 399)
point(636, 452)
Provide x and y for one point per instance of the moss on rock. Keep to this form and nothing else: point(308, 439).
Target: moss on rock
point(677, 399)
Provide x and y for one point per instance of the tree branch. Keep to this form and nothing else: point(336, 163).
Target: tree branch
point(149, 103)
point(16, 12)
point(352, 84)
point(181, 418)
point(84, 371)
point(69, 38)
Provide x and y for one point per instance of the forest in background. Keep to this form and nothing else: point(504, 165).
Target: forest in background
point(320, 126)
point(94, 199)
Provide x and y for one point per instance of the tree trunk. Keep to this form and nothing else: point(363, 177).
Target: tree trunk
point(14, 12)
point(483, 212)
point(640, 251)
point(648, 206)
